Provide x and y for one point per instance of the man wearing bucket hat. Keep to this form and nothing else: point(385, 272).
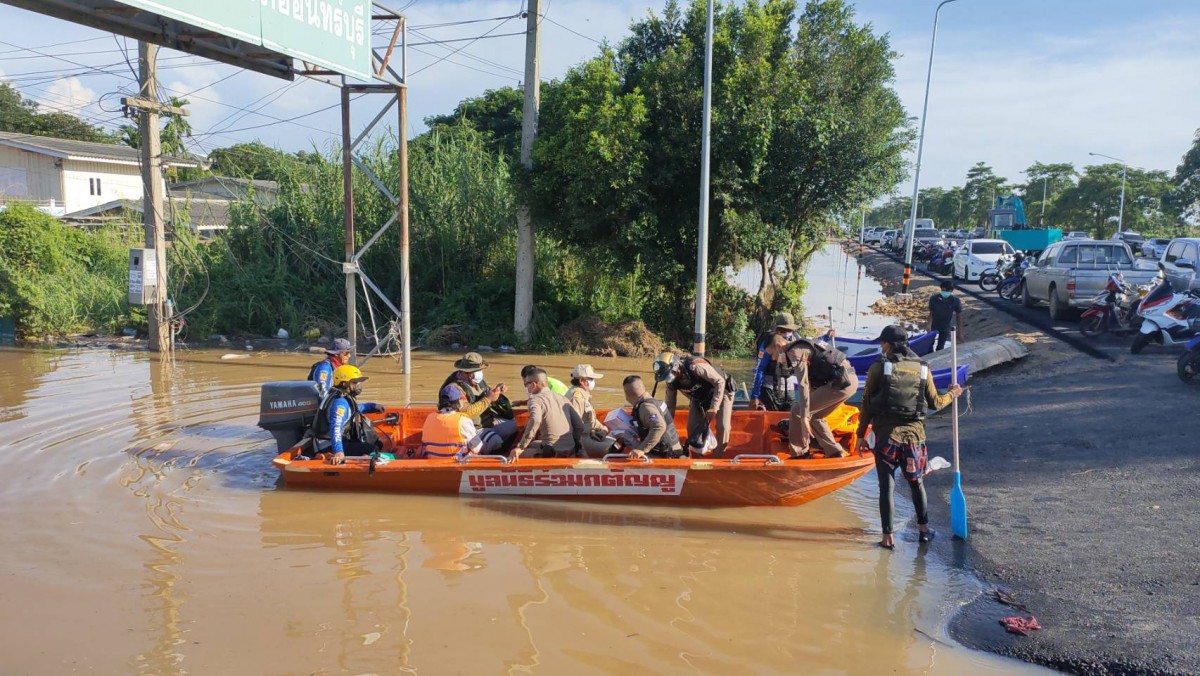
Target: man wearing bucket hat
point(773, 388)
point(489, 404)
point(596, 439)
point(337, 354)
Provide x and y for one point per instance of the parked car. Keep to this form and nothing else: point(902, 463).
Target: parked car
point(1076, 234)
point(872, 235)
point(922, 236)
point(1179, 263)
point(977, 255)
point(888, 236)
point(1072, 272)
point(1155, 247)
point(1133, 239)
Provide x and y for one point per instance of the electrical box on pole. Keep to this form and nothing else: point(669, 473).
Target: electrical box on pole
point(143, 277)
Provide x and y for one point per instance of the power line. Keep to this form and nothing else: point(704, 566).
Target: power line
point(571, 30)
point(456, 51)
point(56, 44)
point(260, 126)
point(481, 37)
point(468, 55)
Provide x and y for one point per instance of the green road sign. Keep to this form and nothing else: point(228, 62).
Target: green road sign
point(334, 34)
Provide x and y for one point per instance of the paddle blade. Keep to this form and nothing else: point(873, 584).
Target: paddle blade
point(958, 509)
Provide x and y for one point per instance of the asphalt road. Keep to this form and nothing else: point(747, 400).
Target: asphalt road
point(1082, 479)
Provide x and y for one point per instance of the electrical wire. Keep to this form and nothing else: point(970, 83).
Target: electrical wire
point(571, 30)
point(456, 51)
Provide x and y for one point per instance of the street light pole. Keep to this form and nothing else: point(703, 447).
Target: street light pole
point(912, 221)
point(698, 340)
point(1121, 208)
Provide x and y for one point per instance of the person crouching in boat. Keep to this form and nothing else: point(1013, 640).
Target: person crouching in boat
point(710, 392)
point(824, 382)
point(554, 428)
point(340, 418)
point(898, 391)
point(596, 439)
point(321, 373)
point(488, 404)
point(450, 433)
point(656, 433)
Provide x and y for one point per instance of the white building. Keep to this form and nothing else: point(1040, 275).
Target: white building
point(62, 176)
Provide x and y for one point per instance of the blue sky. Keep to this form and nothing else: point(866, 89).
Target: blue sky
point(1014, 82)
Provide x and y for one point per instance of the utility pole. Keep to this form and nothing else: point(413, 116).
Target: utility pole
point(699, 339)
point(350, 267)
point(523, 305)
point(148, 107)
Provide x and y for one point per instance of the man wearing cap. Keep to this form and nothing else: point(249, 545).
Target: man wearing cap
point(337, 354)
point(898, 392)
point(772, 388)
point(596, 438)
point(450, 433)
point(489, 404)
point(824, 381)
point(554, 428)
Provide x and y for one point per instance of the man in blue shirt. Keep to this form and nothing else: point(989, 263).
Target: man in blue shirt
point(771, 389)
point(336, 354)
point(341, 420)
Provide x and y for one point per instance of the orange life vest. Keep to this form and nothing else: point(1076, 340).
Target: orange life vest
point(441, 436)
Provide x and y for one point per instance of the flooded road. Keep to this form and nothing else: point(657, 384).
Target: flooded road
point(144, 533)
point(836, 287)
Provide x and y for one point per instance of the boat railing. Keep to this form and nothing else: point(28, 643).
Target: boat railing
point(468, 459)
point(765, 457)
point(626, 457)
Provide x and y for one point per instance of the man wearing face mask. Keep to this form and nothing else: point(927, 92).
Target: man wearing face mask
point(596, 438)
point(340, 418)
point(945, 307)
point(773, 385)
point(554, 428)
point(488, 404)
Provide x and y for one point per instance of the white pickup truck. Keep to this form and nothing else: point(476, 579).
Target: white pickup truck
point(1070, 273)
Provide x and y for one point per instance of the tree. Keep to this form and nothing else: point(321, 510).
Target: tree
point(1184, 197)
point(1095, 201)
point(497, 114)
point(979, 192)
point(254, 160)
point(18, 114)
point(175, 128)
point(1048, 179)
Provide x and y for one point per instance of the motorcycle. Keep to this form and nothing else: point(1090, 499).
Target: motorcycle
point(990, 278)
point(1013, 276)
point(942, 261)
point(1113, 309)
point(1188, 366)
point(1168, 318)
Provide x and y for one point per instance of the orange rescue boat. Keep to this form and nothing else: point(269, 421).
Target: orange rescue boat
point(754, 471)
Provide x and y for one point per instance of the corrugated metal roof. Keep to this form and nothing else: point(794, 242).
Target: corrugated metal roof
point(84, 150)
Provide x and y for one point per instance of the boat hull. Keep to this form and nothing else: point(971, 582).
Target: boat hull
point(754, 470)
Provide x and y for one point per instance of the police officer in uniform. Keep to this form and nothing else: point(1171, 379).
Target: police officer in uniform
point(825, 380)
point(656, 432)
point(898, 391)
point(340, 418)
point(710, 392)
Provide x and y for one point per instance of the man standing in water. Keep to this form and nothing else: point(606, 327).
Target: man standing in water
point(898, 391)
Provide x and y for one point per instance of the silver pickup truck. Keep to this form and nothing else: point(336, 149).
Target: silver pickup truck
point(1070, 273)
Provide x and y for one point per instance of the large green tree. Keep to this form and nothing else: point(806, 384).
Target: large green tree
point(980, 191)
point(19, 114)
point(1184, 197)
point(1043, 184)
point(805, 125)
point(1094, 203)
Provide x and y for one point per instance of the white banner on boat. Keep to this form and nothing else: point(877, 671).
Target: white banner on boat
point(572, 482)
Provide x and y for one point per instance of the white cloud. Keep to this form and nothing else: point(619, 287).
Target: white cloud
point(67, 95)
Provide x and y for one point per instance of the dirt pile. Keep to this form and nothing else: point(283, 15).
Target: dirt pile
point(913, 310)
point(591, 335)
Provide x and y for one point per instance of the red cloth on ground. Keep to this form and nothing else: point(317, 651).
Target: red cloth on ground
point(1020, 625)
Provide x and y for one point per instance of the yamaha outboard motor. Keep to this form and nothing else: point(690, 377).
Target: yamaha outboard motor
point(287, 409)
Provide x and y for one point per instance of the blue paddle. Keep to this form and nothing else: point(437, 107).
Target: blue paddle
point(958, 501)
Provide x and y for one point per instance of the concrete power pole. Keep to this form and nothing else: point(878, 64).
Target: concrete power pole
point(152, 192)
point(523, 307)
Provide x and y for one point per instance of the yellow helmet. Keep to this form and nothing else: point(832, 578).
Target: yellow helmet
point(347, 373)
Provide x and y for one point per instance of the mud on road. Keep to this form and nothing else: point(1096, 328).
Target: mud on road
point(1081, 477)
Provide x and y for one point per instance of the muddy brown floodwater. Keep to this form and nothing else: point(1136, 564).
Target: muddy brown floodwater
point(144, 532)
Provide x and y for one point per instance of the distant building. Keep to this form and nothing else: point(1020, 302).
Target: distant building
point(265, 193)
point(206, 216)
point(62, 176)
